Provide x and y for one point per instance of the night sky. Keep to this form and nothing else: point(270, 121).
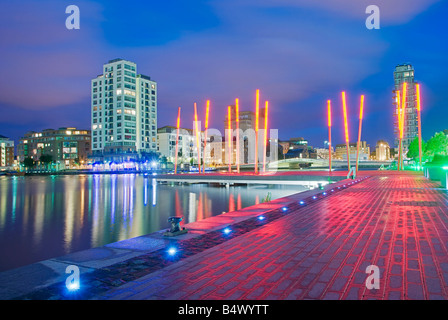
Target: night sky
point(299, 53)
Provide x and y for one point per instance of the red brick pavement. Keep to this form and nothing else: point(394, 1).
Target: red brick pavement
point(397, 221)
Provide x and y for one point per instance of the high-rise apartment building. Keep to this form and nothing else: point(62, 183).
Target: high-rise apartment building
point(124, 113)
point(405, 73)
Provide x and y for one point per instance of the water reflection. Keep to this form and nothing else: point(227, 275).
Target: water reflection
point(45, 217)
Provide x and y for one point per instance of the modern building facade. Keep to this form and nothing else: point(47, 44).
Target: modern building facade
point(299, 148)
point(382, 151)
point(323, 153)
point(68, 147)
point(405, 73)
point(247, 125)
point(123, 113)
point(341, 151)
point(187, 151)
point(6, 152)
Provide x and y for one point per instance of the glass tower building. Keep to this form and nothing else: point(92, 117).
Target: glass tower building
point(405, 73)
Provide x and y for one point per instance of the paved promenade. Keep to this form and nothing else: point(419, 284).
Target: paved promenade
point(312, 245)
point(398, 222)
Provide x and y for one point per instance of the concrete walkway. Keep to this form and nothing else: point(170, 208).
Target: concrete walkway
point(312, 245)
point(397, 221)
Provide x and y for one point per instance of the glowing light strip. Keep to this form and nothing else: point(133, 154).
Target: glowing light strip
point(230, 137)
point(205, 133)
point(417, 89)
point(206, 114)
point(361, 110)
point(403, 109)
point(399, 126)
point(237, 118)
point(198, 146)
point(361, 114)
point(265, 138)
point(403, 112)
point(257, 106)
point(177, 140)
point(329, 134)
point(344, 105)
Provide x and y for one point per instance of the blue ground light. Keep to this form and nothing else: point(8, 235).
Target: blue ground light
point(227, 230)
point(172, 251)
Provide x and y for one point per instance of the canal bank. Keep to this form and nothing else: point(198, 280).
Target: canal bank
point(115, 264)
point(42, 217)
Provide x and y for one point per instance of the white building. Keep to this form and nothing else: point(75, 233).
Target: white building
point(187, 151)
point(124, 112)
point(382, 151)
point(6, 152)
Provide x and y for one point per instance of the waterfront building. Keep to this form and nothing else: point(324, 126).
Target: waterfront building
point(299, 148)
point(323, 153)
point(68, 147)
point(187, 151)
point(382, 151)
point(246, 124)
point(405, 73)
point(284, 145)
point(6, 153)
point(123, 113)
point(341, 151)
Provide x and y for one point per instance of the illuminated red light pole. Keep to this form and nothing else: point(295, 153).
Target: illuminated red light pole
point(399, 127)
point(205, 133)
point(230, 137)
point(237, 120)
point(177, 140)
point(257, 106)
point(198, 146)
point(344, 106)
point(361, 110)
point(403, 112)
point(265, 140)
point(417, 89)
point(329, 134)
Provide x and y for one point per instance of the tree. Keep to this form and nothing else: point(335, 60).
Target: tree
point(46, 159)
point(29, 162)
point(413, 151)
point(438, 144)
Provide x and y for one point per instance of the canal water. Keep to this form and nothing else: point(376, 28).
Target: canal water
point(42, 217)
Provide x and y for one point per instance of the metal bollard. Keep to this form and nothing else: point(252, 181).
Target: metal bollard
point(175, 228)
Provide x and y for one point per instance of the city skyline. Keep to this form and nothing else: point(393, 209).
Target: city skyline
point(222, 151)
point(297, 75)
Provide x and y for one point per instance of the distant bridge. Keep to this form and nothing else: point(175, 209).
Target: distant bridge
point(295, 163)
